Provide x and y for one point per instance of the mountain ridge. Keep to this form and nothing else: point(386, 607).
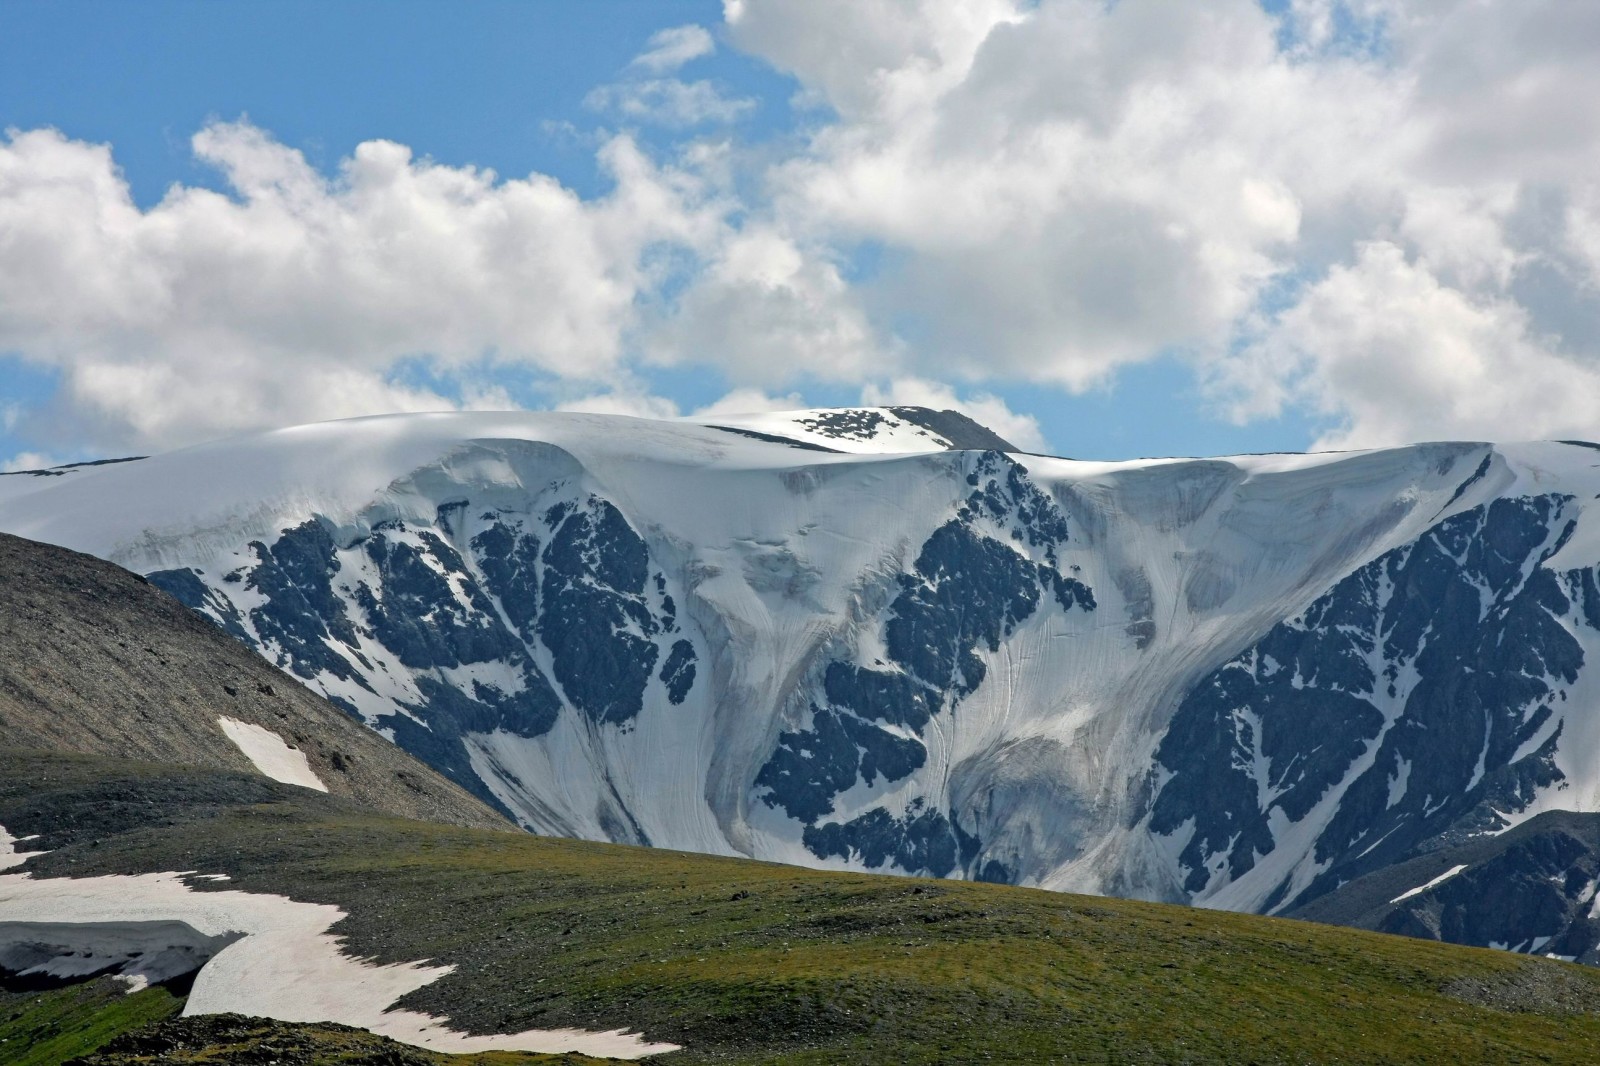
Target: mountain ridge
point(952, 662)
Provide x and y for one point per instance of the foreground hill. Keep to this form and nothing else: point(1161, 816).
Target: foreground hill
point(1236, 682)
point(95, 660)
point(736, 961)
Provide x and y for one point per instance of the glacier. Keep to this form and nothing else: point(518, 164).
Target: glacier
point(875, 639)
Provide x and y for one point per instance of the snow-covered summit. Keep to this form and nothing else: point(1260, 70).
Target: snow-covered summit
point(870, 429)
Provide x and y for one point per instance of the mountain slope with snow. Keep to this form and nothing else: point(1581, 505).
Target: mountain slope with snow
point(1531, 889)
point(870, 429)
point(1236, 681)
point(94, 660)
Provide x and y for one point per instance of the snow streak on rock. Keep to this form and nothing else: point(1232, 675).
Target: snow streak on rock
point(974, 581)
point(1417, 700)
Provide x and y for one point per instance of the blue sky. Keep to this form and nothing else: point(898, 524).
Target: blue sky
point(807, 202)
point(500, 85)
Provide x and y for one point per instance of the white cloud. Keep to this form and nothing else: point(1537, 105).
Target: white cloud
point(669, 102)
point(671, 48)
point(1460, 232)
point(866, 57)
point(1069, 189)
point(648, 97)
point(1394, 355)
point(1583, 232)
point(1064, 188)
point(28, 461)
point(633, 402)
point(988, 191)
point(768, 312)
point(749, 402)
point(300, 297)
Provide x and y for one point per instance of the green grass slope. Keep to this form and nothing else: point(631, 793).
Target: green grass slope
point(746, 962)
point(224, 1039)
point(43, 1028)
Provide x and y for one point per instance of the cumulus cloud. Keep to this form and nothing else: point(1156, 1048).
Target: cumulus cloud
point(867, 57)
point(1061, 189)
point(1583, 232)
point(769, 312)
point(750, 401)
point(1071, 188)
point(625, 401)
point(1380, 215)
point(1393, 355)
point(300, 296)
point(23, 461)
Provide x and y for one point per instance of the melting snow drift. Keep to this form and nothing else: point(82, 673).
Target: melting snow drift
point(281, 962)
point(271, 754)
point(9, 855)
point(138, 953)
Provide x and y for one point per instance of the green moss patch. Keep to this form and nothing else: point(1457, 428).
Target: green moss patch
point(46, 1028)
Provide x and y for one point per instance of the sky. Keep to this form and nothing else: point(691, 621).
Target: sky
point(1105, 228)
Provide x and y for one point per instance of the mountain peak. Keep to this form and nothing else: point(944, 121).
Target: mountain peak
point(871, 429)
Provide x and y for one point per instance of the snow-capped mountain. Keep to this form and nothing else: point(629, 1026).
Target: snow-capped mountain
point(881, 639)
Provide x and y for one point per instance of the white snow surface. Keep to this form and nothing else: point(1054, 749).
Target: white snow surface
point(780, 557)
point(271, 754)
point(284, 963)
point(1420, 889)
point(10, 857)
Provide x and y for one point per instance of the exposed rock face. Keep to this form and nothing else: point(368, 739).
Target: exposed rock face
point(96, 660)
point(1414, 701)
point(876, 429)
point(1532, 890)
point(969, 589)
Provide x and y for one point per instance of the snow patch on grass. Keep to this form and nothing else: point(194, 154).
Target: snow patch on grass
point(284, 964)
point(9, 855)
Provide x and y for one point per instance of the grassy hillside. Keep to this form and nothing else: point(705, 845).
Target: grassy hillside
point(57, 1027)
point(751, 963)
